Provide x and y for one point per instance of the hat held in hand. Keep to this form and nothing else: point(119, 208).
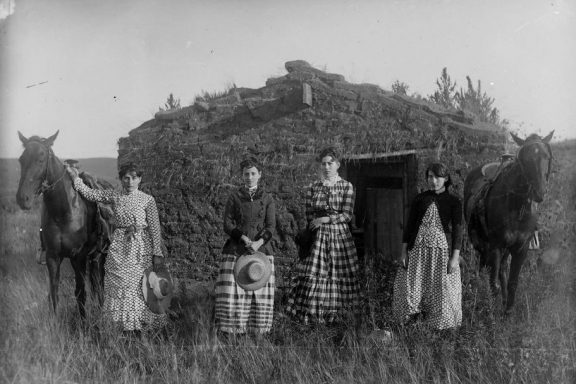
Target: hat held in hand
point(157, 289)
point(252, 271)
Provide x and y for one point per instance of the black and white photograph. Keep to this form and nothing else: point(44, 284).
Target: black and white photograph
point(265, 191)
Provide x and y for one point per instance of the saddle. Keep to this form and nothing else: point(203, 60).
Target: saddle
point(104, 214)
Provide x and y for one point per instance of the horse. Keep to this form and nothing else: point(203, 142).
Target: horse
point(69, 223)
point(499, 215)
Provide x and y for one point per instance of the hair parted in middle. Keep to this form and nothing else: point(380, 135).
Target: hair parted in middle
point(440, 170)
point(329, 151)
point(250, 162)
point(129, 168)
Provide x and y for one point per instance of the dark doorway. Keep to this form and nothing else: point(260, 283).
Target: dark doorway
point(384, 184)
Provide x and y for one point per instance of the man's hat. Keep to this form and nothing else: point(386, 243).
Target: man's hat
point(252, 271)
point(157, 289)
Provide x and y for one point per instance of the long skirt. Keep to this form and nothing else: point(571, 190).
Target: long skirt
point(239, 311)
point(123, 298)
point(426, 287)
point(326, 282)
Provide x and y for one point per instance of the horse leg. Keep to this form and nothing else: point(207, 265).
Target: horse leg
point(53, 262)
point(493, 261)
point(518, 258)
point(96, 269)
point(503, 275)
point(79, 265)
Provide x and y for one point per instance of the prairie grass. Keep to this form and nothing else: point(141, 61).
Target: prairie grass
point(536, 344)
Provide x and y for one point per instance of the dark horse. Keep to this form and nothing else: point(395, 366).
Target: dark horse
point(499, 212)
point(69, 223)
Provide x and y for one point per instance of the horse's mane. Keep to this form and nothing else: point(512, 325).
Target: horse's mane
point(533, 137)
point(37, 139)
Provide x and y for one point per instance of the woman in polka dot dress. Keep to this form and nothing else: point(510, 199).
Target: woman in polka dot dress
point(429, 280)
point(136, 246)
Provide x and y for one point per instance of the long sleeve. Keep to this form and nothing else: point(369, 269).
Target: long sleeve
point(309, 209)
point(411, 226)
point(347, 206)
point(96, 195)
point(154, 227)
point(230, 222)
point(457, 223)
point(269, 222)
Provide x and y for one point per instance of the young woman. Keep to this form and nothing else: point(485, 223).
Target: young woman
point(428, 281)
point(249, 220)
point(327, 278)
point(136, 246)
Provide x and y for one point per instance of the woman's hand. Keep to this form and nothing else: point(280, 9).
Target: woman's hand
point(245, 240)
point(72, 172)
point(255, 245)
point(453, 262)
point(157, 263)
point(403, 258)
point(317, 223)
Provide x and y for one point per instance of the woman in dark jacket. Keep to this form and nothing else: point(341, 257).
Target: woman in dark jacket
point(429, 280)
point(249, 220)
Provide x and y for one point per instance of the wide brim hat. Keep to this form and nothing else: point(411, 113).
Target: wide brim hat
point(252, 271)
point(158, 290)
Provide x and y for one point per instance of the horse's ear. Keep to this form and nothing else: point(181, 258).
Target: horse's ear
point(518, 140)
point(23, 138)
point(49, 141)
point(548, 138)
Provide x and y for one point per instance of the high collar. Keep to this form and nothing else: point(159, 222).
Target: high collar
point(250, 195)
point(329, 182)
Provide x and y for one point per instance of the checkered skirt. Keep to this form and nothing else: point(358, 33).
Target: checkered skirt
point(240, 311)
point(327, 280)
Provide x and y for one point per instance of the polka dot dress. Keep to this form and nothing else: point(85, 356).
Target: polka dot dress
point(426, 286)
point(134, 241)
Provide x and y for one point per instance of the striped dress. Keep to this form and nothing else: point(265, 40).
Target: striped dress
point(238, 311)
point(326, 280)
point(135, 241)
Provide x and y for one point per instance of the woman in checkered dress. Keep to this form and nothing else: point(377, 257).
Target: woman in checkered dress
point(429, 281)
point(136, 246)
point(327, 277)
point(249, 220)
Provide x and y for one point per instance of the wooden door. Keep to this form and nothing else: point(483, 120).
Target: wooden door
point(384, 222)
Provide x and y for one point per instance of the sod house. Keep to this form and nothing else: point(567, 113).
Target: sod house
point(191, 156)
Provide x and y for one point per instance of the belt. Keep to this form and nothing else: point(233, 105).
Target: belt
point(131, 230)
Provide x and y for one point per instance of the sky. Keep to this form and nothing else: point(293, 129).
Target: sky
point(94, 70)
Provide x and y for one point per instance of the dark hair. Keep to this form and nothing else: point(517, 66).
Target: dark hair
point(129, 168)
point(250, 162)
point(329, 151)
point(440, 170)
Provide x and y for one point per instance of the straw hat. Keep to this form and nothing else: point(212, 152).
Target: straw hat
point(157, 289)
point(252, 271)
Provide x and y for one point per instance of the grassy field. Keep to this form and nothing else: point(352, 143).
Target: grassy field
point(536, 344)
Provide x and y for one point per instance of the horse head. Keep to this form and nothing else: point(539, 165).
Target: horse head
point(34, 163)
point(535, 159)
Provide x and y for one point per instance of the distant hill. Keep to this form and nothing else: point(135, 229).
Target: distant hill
point(105, 168)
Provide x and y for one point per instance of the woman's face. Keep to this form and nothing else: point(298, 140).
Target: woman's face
point(251, 177)
point(130, 181)
point(436, 183)
point(329, 166)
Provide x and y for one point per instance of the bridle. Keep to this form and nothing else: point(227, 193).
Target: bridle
point(535, 142)
point(45, 186)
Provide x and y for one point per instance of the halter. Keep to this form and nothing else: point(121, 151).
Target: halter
point(523, 209)
point(45, 186)
point(533, 142)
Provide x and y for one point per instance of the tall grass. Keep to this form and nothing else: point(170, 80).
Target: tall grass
point(536, 344)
